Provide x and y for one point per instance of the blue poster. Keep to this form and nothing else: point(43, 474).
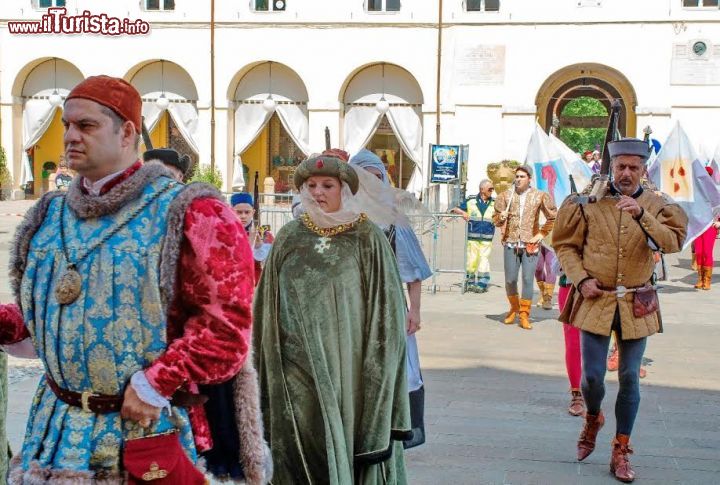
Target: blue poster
point(444, 166)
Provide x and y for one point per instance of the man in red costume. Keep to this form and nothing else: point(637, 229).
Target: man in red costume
point(133, 289)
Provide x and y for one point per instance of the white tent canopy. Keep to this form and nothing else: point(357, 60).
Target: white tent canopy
point(167, 78)
point(251, 115)
point(362, 117)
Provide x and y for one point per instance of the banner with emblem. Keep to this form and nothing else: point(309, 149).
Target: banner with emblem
point(581, 172)
point(679, 173)
point(550, 171)
point(715, 165)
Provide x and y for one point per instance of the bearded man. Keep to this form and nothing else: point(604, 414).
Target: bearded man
point(607, 250)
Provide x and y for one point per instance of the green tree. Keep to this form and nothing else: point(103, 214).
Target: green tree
point(581, 139)
point(203, 173)
point(5, 177)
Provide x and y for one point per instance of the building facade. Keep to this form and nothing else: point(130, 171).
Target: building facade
point(284, 70)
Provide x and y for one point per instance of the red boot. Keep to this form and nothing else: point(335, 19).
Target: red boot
point(586, 443)
point(619, 461)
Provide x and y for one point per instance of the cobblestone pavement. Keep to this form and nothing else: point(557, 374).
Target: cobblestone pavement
point(497, 395)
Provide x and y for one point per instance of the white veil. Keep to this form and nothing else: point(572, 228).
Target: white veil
point(383, 204)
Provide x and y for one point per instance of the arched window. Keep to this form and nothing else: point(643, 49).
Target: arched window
point(579, 124)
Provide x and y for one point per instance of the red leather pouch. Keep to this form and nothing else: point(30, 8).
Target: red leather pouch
point(645, 302)
point(159, 460)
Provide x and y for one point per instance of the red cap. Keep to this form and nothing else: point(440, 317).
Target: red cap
point(114, 93)
point(337, 153)
point(709, 170)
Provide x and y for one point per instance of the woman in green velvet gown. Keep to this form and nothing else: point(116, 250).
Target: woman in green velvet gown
point(329, 337)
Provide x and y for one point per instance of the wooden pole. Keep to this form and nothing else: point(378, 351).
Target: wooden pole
point(212, 85)
point(439, 66)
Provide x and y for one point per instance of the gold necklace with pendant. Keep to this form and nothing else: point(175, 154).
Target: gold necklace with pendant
point(69, 285)
point(331, 231)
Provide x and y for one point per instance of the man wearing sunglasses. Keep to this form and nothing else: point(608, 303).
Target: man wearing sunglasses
point(478, 211)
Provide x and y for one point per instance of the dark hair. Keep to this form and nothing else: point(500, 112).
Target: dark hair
point(117, 122)
point(527, 169)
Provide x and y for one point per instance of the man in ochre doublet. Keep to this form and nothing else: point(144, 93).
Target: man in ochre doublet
point(607, 250)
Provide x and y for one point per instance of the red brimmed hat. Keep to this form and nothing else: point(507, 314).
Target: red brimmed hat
point(114, 93)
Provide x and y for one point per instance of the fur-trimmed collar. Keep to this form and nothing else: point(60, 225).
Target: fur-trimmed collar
point(88, 206)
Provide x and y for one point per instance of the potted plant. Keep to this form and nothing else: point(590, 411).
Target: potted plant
point(6, 181)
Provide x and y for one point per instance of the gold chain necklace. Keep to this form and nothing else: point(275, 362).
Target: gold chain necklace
point(330, 231)
point(69, 285)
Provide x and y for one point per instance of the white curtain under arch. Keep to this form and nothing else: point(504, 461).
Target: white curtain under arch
point(294, 118)
point(184, 114)
point(360, 125)
point(37, 117)
point(362, 121)
point(405, 122)
point(251, 119)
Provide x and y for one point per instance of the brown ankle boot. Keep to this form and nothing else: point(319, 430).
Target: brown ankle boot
point(586, 443)
point(525, 306)
point(707, 279)
point(577, 404)
point(619, 461)
point(514, 309)
point(701, 277)
point(541, 297)
point(548, 296)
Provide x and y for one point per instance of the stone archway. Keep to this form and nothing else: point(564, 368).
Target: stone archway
point(382, 111)
point(169, 106)
point(270, 125)
point(591, 80)
point(39, 90)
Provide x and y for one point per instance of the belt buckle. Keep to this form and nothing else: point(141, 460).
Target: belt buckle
point(621, 291)
point(85, 400)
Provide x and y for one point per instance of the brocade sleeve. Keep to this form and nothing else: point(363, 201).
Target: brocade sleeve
point(500, 206)
point(214, 293)
point(547, 206)
point(12, 326)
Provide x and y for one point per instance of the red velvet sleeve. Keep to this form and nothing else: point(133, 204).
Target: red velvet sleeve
point(12, 326)
point(213, 297)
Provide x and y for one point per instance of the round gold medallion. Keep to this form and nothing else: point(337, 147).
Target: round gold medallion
point(68, 287)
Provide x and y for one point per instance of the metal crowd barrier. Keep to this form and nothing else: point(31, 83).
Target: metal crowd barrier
point(442, 236)
point(275, 217)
